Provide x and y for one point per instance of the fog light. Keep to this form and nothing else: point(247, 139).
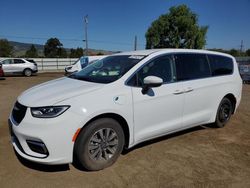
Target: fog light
point(38, 147)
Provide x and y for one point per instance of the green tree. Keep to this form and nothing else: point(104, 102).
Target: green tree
point(234, 52)
point(100, 53)
point(177, 29)
point(5, 48)
point(248, 52)
point(32, 52)
point(62, 53)
point(76, 53)
point(54, 48)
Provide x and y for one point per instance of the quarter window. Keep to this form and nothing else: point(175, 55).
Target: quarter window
point(220, 65)
point(191, 66)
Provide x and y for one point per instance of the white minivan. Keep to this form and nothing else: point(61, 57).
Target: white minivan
point(122, 100)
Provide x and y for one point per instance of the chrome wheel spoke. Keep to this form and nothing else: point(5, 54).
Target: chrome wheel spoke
point(95, 154)
point(107, 134)
point(94, 139)
point(99, 155)
point(112, 136)
point(101, 134)
point(111, 150)
point(105, 155)
point(93, 146)
point(113, 143)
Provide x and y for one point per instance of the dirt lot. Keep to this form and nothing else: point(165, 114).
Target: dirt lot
point(200, 157)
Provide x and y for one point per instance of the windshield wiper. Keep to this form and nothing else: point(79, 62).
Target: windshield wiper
point(83, 78)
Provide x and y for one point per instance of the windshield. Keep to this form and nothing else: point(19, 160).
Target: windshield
point(108, 69)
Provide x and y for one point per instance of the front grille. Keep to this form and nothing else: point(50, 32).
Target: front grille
point(19, 112)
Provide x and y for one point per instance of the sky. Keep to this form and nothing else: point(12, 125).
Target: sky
point(113, 24)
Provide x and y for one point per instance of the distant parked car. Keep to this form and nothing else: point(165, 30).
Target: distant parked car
point(81, 63)
point(1, 73)
point(18, 66)
point(245, 73)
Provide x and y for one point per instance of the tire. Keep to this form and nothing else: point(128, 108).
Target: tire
point(93, 151)
point(224, 113)
point(27, 72)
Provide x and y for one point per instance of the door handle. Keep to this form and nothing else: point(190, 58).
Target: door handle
point(178, 92)
point(189, 89)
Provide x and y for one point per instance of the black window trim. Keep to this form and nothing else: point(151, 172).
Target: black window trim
point(172, 54)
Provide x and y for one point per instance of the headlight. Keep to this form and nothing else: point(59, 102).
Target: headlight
point(48, 111)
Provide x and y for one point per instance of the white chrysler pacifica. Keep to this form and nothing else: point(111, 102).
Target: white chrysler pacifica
point(122, 100)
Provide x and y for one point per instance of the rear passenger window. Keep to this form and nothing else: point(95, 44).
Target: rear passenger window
point(191, 66)
point(18, 61)
point(220, 65)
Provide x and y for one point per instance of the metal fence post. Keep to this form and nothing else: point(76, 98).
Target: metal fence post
point(42, 63)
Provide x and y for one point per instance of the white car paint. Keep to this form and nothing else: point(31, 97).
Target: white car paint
point(168, 108)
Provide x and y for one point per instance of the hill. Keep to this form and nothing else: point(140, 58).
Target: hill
point(20, 48)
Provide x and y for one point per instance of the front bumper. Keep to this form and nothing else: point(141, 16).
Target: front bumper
point(55, 133)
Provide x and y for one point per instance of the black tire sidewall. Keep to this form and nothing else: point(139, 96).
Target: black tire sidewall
point(81, 146)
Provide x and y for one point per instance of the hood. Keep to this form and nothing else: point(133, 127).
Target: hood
point(52, 92)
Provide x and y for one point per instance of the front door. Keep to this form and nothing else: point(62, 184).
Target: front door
point(159, 111)
point(7, 65)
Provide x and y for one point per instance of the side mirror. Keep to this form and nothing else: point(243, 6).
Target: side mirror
point(150, 82)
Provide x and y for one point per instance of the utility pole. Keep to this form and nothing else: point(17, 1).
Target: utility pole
point(241, 46)
point(135, 46)
point(86, 34)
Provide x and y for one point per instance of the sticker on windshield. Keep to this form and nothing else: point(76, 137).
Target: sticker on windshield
point(136, 57)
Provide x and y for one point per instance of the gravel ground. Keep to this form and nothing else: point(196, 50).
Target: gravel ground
point(198, 157)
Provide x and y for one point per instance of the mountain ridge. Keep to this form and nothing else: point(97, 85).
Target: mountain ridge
point(19, 49)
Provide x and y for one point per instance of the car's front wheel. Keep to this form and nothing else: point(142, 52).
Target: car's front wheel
point(99, 144)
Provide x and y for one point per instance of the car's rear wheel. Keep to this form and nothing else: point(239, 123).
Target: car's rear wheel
point(99, 144)
point(27, 72)
point(224, 112)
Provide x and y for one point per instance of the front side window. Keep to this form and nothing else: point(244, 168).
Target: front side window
point(7, 61)
point(191, 66)
point(220, 65)
point(108, 69)
point(161, 67)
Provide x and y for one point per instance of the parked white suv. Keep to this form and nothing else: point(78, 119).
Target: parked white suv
point(122, 100)
point(18, 66)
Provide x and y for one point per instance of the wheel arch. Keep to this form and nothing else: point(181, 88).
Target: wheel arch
point(121, 120)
